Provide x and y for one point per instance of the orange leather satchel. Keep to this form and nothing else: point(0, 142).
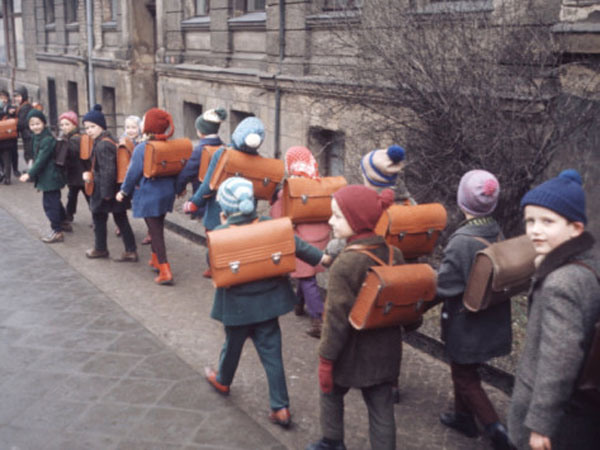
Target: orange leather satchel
point(85, 147)
point(251, 252)
point(392, 295)
point(414, 229)
point(309, 200)
point(500, 271)
point(124, 152)
point(166, 158)
point(8, 129)
point(264, 173)
point(207, 153)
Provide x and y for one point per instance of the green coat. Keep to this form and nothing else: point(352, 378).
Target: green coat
point(47, 176)
point(258, 301)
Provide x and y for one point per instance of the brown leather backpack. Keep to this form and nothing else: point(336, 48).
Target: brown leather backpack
point(166, 158)
point(308, 200)
point(124, 152)
point(8, 129)
point(207, 153)
point(391, 295)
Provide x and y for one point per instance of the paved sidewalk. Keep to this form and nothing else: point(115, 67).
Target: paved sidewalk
point(174, 322)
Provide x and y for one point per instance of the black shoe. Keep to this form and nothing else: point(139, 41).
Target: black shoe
point(463, 423)
point(16, 173)
point(499, 436)
point(324, 444)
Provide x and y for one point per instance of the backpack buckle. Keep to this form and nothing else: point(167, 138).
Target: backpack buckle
point(276, 258)
point(234, 266)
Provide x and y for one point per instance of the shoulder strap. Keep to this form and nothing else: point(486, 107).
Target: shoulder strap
point(364, 249)
point(106, 138)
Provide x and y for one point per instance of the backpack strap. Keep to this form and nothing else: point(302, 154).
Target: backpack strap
point(364, 249)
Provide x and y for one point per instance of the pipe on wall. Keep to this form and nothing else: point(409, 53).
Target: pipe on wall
point(277, 88)
point(90, 46)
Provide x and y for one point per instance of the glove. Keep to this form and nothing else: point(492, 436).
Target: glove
point(325, 375)
point(189, 207)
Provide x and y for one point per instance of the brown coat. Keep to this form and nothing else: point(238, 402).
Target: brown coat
point(361, 358)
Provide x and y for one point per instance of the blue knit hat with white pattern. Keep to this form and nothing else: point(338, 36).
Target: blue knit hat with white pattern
point(236, 195)
point(564, 195)
point(248, 135)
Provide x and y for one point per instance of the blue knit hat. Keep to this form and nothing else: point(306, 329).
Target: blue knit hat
point(95, 116)
point(248, 135)
point(36, 113)
point(381, 167)
point(236, 195)
point(564, 195)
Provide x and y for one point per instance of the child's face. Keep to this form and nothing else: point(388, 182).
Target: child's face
point(66, 126)
point(18, 99)
point(93, 130)
point(547, 229)
point(340, 226)
point(3, 98)
point(36, 125)
point(131, 129)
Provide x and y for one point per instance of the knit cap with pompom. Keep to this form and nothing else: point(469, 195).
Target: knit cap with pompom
point(156, 122)
point(380, 168)
point(95, 116)
point(210, 121)
point(362, 206)
point(236, 196)
point(564, 195)
point(478, 193)
point(248, 135)
point(300, 162)
point(71, 116)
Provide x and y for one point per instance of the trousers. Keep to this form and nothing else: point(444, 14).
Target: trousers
point(55, 212)
point(101, 218)
point(469, 396)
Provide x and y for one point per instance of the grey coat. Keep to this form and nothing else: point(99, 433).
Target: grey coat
point(564, 306)
point(361, 358)
point(470, 337)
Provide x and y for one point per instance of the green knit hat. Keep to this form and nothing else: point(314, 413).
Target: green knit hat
point(36, 113)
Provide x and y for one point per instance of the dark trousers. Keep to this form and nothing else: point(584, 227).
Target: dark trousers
point(14, 155)
point(100, 219)
point(469, 396)
point(5, 162)
point(266, 337)
point(380, 406)
point(55, 212)
point(71, 207)
point(308, 291)
point(156, 229)
point(27, 150)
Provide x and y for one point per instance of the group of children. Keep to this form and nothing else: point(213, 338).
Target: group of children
point(547, 410)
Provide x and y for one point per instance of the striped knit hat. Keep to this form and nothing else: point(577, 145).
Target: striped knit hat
point(380, 168)
point(236, 195)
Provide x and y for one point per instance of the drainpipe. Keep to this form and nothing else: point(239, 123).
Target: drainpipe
point(90, 46)
point(277, 88)
point(10, 58)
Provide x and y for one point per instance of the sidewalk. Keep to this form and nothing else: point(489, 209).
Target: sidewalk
point(176, 319)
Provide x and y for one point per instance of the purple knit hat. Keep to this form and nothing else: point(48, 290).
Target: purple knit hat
point(478, 192)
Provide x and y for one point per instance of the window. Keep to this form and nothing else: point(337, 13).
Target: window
point(202, 7)
point(328, 148)
point(247, 6)
point(190, 112)
point(19, 39)
point(109, 10)
point(48, 11)
point(73, 96)
point(71, 11)
point(52, 111)
point(3, 49)
point(336, 5)
point(109, 105)
point(236, 117)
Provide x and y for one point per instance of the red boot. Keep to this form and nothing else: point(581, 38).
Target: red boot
point(165, 276)
point(153, 262)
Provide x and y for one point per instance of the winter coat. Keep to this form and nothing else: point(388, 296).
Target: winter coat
point(361, 358)
point(45, 173)
point(155, 196)
point(564, 304)
point(7, 144)
point(189, 173)
point(470, 337)
point(104, 159)
point(205, 197)
point(316, 234)
point(23, 125)
point(74, 165)
point(261, 300)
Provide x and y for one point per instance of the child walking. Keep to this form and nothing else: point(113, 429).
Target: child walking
point(47, 177)
point(155, 196)
point(102, 200)
point(74, 165)
point(300, 162)
point(367, 360)
point(472, 338)
point(547, 409)
point(251, 310)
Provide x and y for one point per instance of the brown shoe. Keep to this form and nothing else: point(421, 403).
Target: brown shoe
point(92, 253)
point(54, 236)
point(127, 257)
point(211, 377)
point(66, 226)
point(281, 417)
point(147, 240)
point(315, 328)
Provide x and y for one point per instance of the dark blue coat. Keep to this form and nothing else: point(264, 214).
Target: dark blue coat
point(205, 197)
point(260, 300)
point(155, 196)
point(189, 172)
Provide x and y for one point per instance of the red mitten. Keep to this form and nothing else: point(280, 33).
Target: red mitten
point(325, 375)
point(189, 207)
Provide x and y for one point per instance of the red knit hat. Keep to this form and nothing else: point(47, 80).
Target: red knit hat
point(299, 161)
point(156, 122)
point(362, 206)
point(71, 116)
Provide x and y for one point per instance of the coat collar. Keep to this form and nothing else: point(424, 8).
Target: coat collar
point(564, 254)
point(241, 219)
point(210, 140)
